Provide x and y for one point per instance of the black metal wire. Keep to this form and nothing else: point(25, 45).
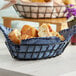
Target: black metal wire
point(18, 52)
point(38, 12)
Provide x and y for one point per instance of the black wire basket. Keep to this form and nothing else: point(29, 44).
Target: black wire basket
point(40, 12)
point(40, 47)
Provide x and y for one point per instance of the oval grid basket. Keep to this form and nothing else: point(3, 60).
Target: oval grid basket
point(40, 12)
point(38, 48)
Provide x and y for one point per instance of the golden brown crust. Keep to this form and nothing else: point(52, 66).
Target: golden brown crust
point(37, 0)
point(23, 37)
point(28, 30)
point(57, 35)
point(47, 0)
point(50, 28)
point(14, 36)
point(41, 0)
point(69, 2)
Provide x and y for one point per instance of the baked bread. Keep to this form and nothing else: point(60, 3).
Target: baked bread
point(28, 30)
point(57, 35)
point(47, 0)
point(50, 28)
point(44, 30)
point(15, 36)
point(23, 37)
point(26, 0)
point(41, 0)
point(37, 0)
point(69, 2)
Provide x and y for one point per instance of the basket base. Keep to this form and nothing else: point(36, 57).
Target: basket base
point(35, 59)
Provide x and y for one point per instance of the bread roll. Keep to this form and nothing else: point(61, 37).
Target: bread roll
point(44, 30)
point(23, 37)
point(26, 0)
point(50, 28)
point(37, 0)
point(15, 36)
point(28, 30)
point(47, 0)
point(57, 35)
point(69, 2)
point(41, 0)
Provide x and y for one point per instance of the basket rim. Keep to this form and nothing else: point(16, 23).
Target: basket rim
point(38, 5)
point(61, 42)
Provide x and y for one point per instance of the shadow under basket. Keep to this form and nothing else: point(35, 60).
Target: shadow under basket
point(40, 12)
point(40, 47)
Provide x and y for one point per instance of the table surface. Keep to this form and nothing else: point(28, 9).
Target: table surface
point(59, 66)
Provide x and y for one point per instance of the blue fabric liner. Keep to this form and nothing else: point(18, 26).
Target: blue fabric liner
point(37, 48)
point(41, 40)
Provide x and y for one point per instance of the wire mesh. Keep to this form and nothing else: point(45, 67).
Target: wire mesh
point(40, 12)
